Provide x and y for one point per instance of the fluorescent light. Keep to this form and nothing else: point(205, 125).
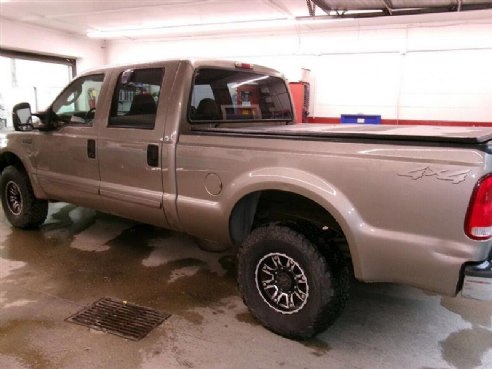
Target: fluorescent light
point(249, 81)
point(192, 28)
point(146, 31)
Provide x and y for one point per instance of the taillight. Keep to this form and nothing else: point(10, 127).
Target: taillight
point(478, 223)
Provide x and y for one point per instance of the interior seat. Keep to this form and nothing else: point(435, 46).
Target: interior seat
point(142, 104)
point(208, 110)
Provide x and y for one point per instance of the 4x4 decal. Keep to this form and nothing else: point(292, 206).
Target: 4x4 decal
point(454, 177)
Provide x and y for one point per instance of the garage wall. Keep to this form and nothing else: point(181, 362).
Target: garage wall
point(29, 38)
point(409, 70)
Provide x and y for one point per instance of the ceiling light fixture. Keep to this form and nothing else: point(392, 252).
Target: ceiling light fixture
point(146, 31)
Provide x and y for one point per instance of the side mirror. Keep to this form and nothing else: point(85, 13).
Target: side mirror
point(22, 117)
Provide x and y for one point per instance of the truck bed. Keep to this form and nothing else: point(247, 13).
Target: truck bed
point(437, 134)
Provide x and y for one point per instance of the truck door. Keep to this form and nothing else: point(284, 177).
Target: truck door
point(130, 148)
point(66, 161)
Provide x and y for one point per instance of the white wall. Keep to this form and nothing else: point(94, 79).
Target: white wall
point(404, 68)
point(29, 38)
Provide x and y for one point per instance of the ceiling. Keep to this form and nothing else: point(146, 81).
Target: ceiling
point(83, 16)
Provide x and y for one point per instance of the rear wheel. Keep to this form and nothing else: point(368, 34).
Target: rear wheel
point(21, 207)
point(287, 282)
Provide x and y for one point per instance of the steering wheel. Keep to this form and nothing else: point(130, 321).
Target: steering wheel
point(90, 114)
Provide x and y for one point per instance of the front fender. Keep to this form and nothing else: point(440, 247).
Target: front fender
point(17, 148)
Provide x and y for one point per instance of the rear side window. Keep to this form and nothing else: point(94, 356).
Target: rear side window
point(135, 102)
point(238, 96)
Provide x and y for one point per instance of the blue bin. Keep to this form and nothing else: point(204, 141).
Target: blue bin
point(360, 119)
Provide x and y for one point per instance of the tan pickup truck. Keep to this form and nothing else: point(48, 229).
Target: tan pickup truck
point(211, 148)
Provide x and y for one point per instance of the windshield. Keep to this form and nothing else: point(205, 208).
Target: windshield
point(238, 96)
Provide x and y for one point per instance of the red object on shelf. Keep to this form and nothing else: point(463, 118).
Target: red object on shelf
point(300, 99)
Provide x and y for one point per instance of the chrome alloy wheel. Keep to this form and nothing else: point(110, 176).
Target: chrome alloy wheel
point(282, 283)
point(14, 198)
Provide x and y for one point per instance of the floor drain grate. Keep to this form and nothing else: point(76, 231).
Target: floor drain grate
point(120, 318)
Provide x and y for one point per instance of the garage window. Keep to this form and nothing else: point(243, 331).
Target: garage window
point(238, 96)
point(33, 78)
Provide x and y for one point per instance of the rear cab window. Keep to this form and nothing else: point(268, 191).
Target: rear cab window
point(222, 95)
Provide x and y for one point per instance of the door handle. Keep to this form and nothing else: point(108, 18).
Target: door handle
point(153, 155)
point(91, 149)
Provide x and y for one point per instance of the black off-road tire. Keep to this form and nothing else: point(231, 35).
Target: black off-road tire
point(21, 207)
point(339, 265)
point(326, 281)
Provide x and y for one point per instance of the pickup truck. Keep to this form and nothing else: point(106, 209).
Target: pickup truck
point(211, 148)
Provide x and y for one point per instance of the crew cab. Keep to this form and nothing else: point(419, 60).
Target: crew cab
point(211, 148)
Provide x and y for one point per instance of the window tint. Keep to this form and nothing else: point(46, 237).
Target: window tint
point(77, 103)
point(135, 103)
point(238, 96)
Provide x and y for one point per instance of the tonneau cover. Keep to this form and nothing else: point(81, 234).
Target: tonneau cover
point(463, 135)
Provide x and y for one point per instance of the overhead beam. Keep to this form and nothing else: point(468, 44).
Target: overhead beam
point(460, 4)
point(389, 6)
point(323, 6)
point(389, 9)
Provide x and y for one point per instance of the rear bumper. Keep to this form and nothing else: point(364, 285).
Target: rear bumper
point(477, 283)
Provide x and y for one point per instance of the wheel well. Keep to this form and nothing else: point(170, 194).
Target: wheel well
point(7, 159)
point(278, 206)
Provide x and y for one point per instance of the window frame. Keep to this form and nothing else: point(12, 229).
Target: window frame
point(115, 97)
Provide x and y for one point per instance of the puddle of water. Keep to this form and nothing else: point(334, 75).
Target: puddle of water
point(165, 252)
point(187, 271)
point(8, 266)
point(464, 349)
point(96, 237)
point(246, 317)
point(64, 221)
point(181, 277)
point(15, 346)
point(18, 303)
point(142, 264)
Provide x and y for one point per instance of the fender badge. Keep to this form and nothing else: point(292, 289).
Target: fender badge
point(442, 175)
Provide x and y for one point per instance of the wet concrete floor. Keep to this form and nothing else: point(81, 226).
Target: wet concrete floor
point(79, 256)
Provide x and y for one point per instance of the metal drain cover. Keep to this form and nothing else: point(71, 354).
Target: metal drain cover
point(119, 318)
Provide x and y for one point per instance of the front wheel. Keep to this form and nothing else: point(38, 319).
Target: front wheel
point(287, 283)
point(21, 207)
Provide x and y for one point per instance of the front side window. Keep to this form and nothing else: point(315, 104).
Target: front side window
point(238, 96)
point(135, 101)
point(77, 103)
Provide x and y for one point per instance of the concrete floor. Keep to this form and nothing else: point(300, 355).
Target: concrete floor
point(79, 256)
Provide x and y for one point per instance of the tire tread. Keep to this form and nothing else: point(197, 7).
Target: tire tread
point(35, 211)
point(332, 275)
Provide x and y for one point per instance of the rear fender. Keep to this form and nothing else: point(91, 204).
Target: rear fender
point(301, 183)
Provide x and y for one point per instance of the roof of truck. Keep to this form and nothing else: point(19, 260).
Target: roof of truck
point(194, 62)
